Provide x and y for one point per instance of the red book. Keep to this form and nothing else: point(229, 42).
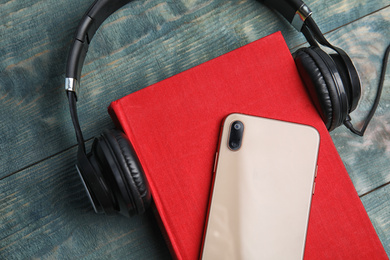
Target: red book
point(174, 126)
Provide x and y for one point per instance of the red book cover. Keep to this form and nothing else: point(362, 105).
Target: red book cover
point(174, 126)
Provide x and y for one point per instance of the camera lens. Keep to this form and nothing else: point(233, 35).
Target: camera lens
point(235, 135)
point(234, 145)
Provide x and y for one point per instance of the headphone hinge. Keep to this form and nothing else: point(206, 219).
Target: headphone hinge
point(300, 16)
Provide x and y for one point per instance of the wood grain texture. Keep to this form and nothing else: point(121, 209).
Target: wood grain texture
point(144, 42)
point(377, 205)
point(45, 213)
point(367, 159)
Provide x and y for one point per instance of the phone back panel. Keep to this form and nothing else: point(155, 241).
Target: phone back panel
point(262, 193)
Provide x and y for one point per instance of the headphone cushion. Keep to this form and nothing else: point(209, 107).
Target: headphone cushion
point(98, 190)
point(320, 85)
point(132, 171)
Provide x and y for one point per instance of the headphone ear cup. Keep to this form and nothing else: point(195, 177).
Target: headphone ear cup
point(324, 84)
point(98, 190)
point(127, 171)
point(347, 71)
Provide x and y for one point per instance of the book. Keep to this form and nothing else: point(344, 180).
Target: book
point(174, 126)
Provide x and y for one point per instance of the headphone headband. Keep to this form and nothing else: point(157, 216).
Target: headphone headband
point(295, 11)
point(99, 11)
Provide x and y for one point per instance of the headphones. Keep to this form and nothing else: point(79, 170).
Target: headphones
point(112, 174)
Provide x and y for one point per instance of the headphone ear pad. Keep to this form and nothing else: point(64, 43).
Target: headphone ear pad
point(321, 86)
point(350, 78)
point(130, 170)
point(98, 189)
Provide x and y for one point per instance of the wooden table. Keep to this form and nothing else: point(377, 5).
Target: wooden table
point(44, 211)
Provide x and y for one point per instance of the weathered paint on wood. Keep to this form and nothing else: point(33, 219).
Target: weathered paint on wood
point(143, 43)
point(44, 212)
point(367, 159)
point(377, 205)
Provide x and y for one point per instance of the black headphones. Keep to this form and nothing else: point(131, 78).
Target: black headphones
point(111, 172)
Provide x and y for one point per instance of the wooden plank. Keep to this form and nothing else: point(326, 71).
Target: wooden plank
point(143, 43)
point(43, 209)
point(45, 213)
point(377, 205)
point(367, 158)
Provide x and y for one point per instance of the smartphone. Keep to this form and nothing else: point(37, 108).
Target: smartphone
point(264, 178)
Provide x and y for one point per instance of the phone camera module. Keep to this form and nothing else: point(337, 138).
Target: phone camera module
point(236, 134)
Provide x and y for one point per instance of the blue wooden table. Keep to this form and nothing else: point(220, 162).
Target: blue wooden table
point(44, 212)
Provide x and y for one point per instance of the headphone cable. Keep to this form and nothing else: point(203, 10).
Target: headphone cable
point(347, 122)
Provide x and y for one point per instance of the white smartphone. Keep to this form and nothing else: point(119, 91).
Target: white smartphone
point(264, 178)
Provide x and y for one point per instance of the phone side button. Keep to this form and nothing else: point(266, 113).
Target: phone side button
point(314, 187)
point(315, 176)
point(215, 161)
